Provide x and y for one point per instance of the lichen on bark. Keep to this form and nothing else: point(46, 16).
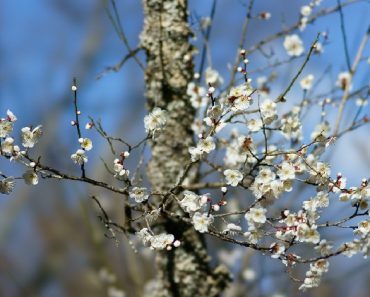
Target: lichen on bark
point(186, 270)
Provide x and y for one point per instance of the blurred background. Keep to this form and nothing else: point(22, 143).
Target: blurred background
point(51, 242)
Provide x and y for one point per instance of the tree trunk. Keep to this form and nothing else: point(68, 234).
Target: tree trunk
point(184, 271)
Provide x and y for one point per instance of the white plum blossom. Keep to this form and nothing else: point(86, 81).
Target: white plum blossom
point(363, 227)
point(256, 215)
point(10, 116)
point(86, 143)
point(191, 202)
point(6, 125)
point(197, 95)
point(306, 10)
point(306, 82)
point(265, 176)
point(313, 276)
point(140, 194)
point(291, 126)
point(319, 48)
point(30, 178)
point(114, 292)
point(253, 234)
point(155, 121)
point(249, 274)
point(344, 81)
point(324, 247)
point(157, 242)
point(205, 146)
point(79, 157)
point(268, 111)
point(254, 125)
point(213, 77)
point(322, 128)
point(306, 233)
point(286, 171)
point(31, 137)
point(161, 241)
point(7, 145)
point(201, 221)
point(232, 228)
point(145, 235)
point(119, 168)
point(233, 177)
point(239, 97)
point(217, 125)
point(293, 45)
point(277, 250)
point(361, 102)
point(7, 185)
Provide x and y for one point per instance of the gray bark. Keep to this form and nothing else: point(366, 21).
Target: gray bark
point(184, 271)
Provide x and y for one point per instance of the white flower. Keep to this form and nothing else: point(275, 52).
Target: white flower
point(361, 102)
point(155, 121)
point(191, 202)
point(144, 235)
point(321, 129)
point(256, 215)
point(119, 169)
point(268, 110)
point(214, 112)
point(195, 153)
point(6, 127)
point(11, 117)
point(306, 82)
point(114, 292)
point(254, 125)
point(202, 221)
point(139, 194)
point(249, 274)
point(213, 77)
point(205, 145)
point(161, 241)
point(30, 177)
point(106, 276)
point(307, 233)
point(240, 98)
point(293, 45)
point(319, 48)
point(364, 227)
point(286, 171)
point(197, 95)
point(7, 185)
point(7, 145)
point(276, 250)
point(31, 137)
point(306, 10)
point(344, 81)
point(217, 125)
point(265, 176)
point(232, 228)
point(253, 234)
point(324, 247)
point(79, 157)
point(233, 177)
point(86, 143)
